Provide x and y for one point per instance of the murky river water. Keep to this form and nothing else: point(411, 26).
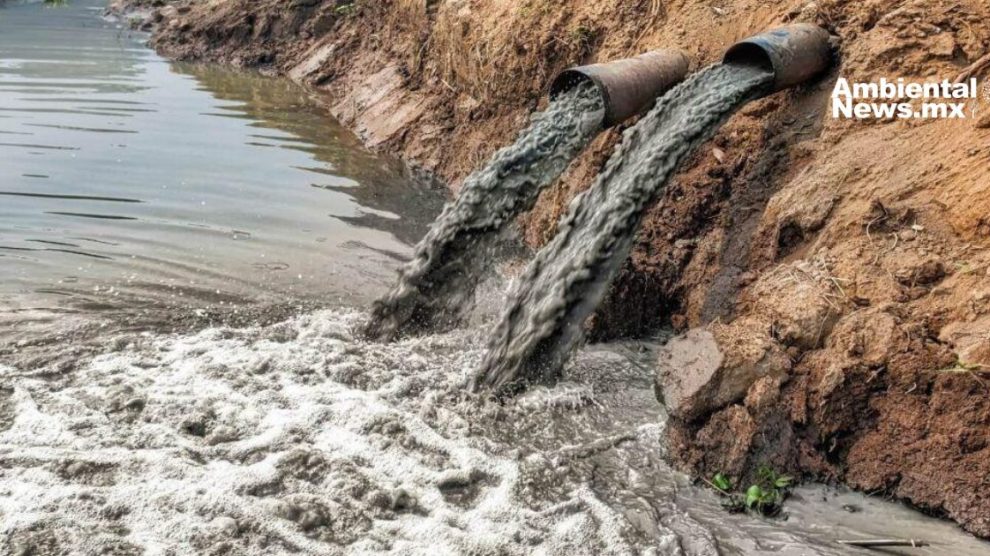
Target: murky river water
point(130, 184)
point(125, 176)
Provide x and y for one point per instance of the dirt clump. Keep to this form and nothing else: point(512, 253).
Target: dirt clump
point(706, 369)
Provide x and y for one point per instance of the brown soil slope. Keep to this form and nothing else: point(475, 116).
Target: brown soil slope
point(842, 270)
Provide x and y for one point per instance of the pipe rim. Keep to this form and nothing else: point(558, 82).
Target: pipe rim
point(750, 53)
point(794, 54)
point(571, 78)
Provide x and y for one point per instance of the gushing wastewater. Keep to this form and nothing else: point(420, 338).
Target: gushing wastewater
point(301, 437)
point(567, 279)
point(437, 285)
point(297, 437)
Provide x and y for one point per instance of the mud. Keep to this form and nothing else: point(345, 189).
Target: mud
point(782, 194)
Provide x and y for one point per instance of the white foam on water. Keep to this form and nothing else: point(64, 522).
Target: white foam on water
point(295, 437)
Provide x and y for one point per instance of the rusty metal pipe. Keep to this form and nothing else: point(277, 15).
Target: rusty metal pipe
point(628, 86)
point(794, 53)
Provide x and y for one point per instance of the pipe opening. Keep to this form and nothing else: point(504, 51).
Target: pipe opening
point(794, 54)
point(629, 86)
point(567, 81)
point(749, 54)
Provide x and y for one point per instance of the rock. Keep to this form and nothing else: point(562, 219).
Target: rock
point(704, 370)
point(687, 366)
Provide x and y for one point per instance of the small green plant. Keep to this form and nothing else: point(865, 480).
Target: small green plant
point(721, 482)
point(765, 497)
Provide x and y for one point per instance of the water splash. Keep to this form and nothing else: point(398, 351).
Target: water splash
point(436, 287)
point(566, 281)
point(297, 437)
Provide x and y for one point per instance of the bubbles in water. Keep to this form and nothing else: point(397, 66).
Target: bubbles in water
point(293, 437)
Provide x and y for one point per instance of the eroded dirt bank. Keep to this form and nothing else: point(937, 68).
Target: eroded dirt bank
point(837, 274)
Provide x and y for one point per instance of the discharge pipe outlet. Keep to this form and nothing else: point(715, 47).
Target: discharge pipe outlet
point(628, 86)
point(794, 53)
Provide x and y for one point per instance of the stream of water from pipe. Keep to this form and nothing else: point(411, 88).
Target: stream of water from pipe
point(565, 282)
point(437, 286)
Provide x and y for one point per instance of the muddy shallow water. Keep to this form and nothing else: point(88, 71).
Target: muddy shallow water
point(126, 176)
point(297, 435)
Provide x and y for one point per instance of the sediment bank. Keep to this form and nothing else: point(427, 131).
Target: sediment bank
point(837, 272)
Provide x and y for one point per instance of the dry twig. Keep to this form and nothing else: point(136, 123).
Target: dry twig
point(880, 543)
point(974, 68)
